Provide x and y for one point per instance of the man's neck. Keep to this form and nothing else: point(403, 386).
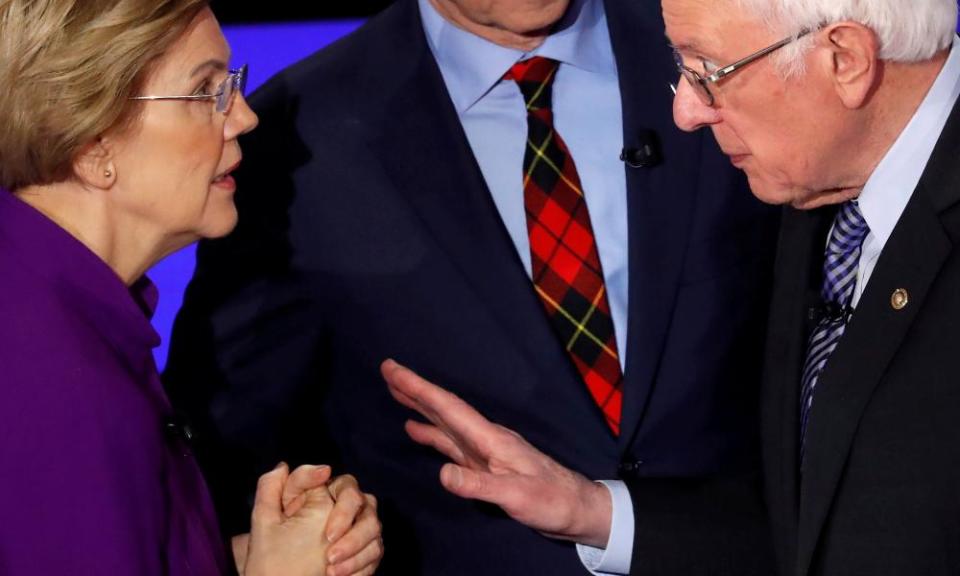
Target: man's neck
point(896, 103)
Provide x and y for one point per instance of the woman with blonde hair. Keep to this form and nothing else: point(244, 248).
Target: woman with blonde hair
point(118, 136)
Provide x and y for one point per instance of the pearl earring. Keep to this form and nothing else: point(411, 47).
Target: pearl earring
point(107, 174)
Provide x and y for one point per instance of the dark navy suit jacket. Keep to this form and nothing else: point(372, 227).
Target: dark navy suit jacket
point(367, 231)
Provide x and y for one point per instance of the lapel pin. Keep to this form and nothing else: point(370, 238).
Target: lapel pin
point(899, 299)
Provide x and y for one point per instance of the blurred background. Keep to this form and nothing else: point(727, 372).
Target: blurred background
point(268, 36)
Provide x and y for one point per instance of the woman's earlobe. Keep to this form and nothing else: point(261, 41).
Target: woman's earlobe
point(94, 166)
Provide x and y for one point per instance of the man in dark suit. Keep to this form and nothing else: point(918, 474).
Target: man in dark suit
point(855, 124)
point(384, 212)
point(861, 411)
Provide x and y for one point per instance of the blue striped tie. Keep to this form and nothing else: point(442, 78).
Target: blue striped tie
point(839, 279)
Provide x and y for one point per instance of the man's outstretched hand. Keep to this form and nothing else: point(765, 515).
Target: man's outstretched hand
point(495, 464)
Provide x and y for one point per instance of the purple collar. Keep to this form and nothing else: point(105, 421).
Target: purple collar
point(122, 314)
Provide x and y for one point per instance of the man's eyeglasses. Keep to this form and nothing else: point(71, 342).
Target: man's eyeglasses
point(701, 84)
point(234, 83)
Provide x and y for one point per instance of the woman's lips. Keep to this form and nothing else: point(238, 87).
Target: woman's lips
point(226, 182)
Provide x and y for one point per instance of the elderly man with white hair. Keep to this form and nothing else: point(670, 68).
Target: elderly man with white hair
point(844, 110)
point(853, 123)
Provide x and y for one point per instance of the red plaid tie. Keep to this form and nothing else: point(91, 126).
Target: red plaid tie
point(566, 267)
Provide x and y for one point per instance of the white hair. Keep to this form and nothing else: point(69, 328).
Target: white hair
point(907, 30)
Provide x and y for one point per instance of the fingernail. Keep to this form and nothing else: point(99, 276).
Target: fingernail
point(280, 465)
point(332, 558)
point(454, 476)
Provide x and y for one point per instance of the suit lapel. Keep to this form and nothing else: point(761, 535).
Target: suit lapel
point(425, 152)
point(910, 260)
point(660, 199)
point(427, 155)
point(797, 274)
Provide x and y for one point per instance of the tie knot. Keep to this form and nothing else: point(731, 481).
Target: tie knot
point(843, 255)
point(849, 229)
point(535, 79)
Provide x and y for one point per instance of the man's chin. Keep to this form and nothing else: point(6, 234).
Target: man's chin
point(825, 198)
point(773, 192)
point(769, 192)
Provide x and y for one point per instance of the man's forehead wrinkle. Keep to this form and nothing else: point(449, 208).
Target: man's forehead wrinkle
point(685, 35)
point(692, 45)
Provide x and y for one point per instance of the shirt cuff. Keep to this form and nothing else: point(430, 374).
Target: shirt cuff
point(616, 558)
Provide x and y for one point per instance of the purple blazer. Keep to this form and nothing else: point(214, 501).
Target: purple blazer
point(91, 479)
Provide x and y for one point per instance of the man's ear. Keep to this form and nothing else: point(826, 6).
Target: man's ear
point(852, 60)
point(95, 166)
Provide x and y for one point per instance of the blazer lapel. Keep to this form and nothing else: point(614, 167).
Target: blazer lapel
point(795, 292)
point(660, 199)
point(910, 260)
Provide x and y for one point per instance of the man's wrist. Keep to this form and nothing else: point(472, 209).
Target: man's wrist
point(615, 557)
point(597, 515)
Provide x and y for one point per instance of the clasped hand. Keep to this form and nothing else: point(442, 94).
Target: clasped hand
point(303, 525)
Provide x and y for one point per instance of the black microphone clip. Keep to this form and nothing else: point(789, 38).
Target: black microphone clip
point(646, 154)
point(177, 428)
point(830, 312)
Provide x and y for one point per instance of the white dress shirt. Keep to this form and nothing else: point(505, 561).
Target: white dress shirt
point(587, 114)
point(892, 183)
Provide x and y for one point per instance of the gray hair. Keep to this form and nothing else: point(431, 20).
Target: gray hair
point(907, 30)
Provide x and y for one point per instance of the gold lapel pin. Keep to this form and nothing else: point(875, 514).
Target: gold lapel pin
point(899, 299)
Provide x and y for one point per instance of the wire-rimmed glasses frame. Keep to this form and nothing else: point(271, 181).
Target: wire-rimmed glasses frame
point(234, 83)
point(700, 83)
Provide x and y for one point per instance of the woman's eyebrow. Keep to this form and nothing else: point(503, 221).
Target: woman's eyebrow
point(213, 63)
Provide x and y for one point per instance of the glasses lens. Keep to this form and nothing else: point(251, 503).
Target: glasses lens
point(235, 82)
point(694, 80)
point(241, 80)
point(698, 85)
point(224, 95)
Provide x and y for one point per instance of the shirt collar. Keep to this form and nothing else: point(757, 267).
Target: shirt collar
point(471, 65)
point(891, 185)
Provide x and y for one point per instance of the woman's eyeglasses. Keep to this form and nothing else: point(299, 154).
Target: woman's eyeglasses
point(235, 82)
